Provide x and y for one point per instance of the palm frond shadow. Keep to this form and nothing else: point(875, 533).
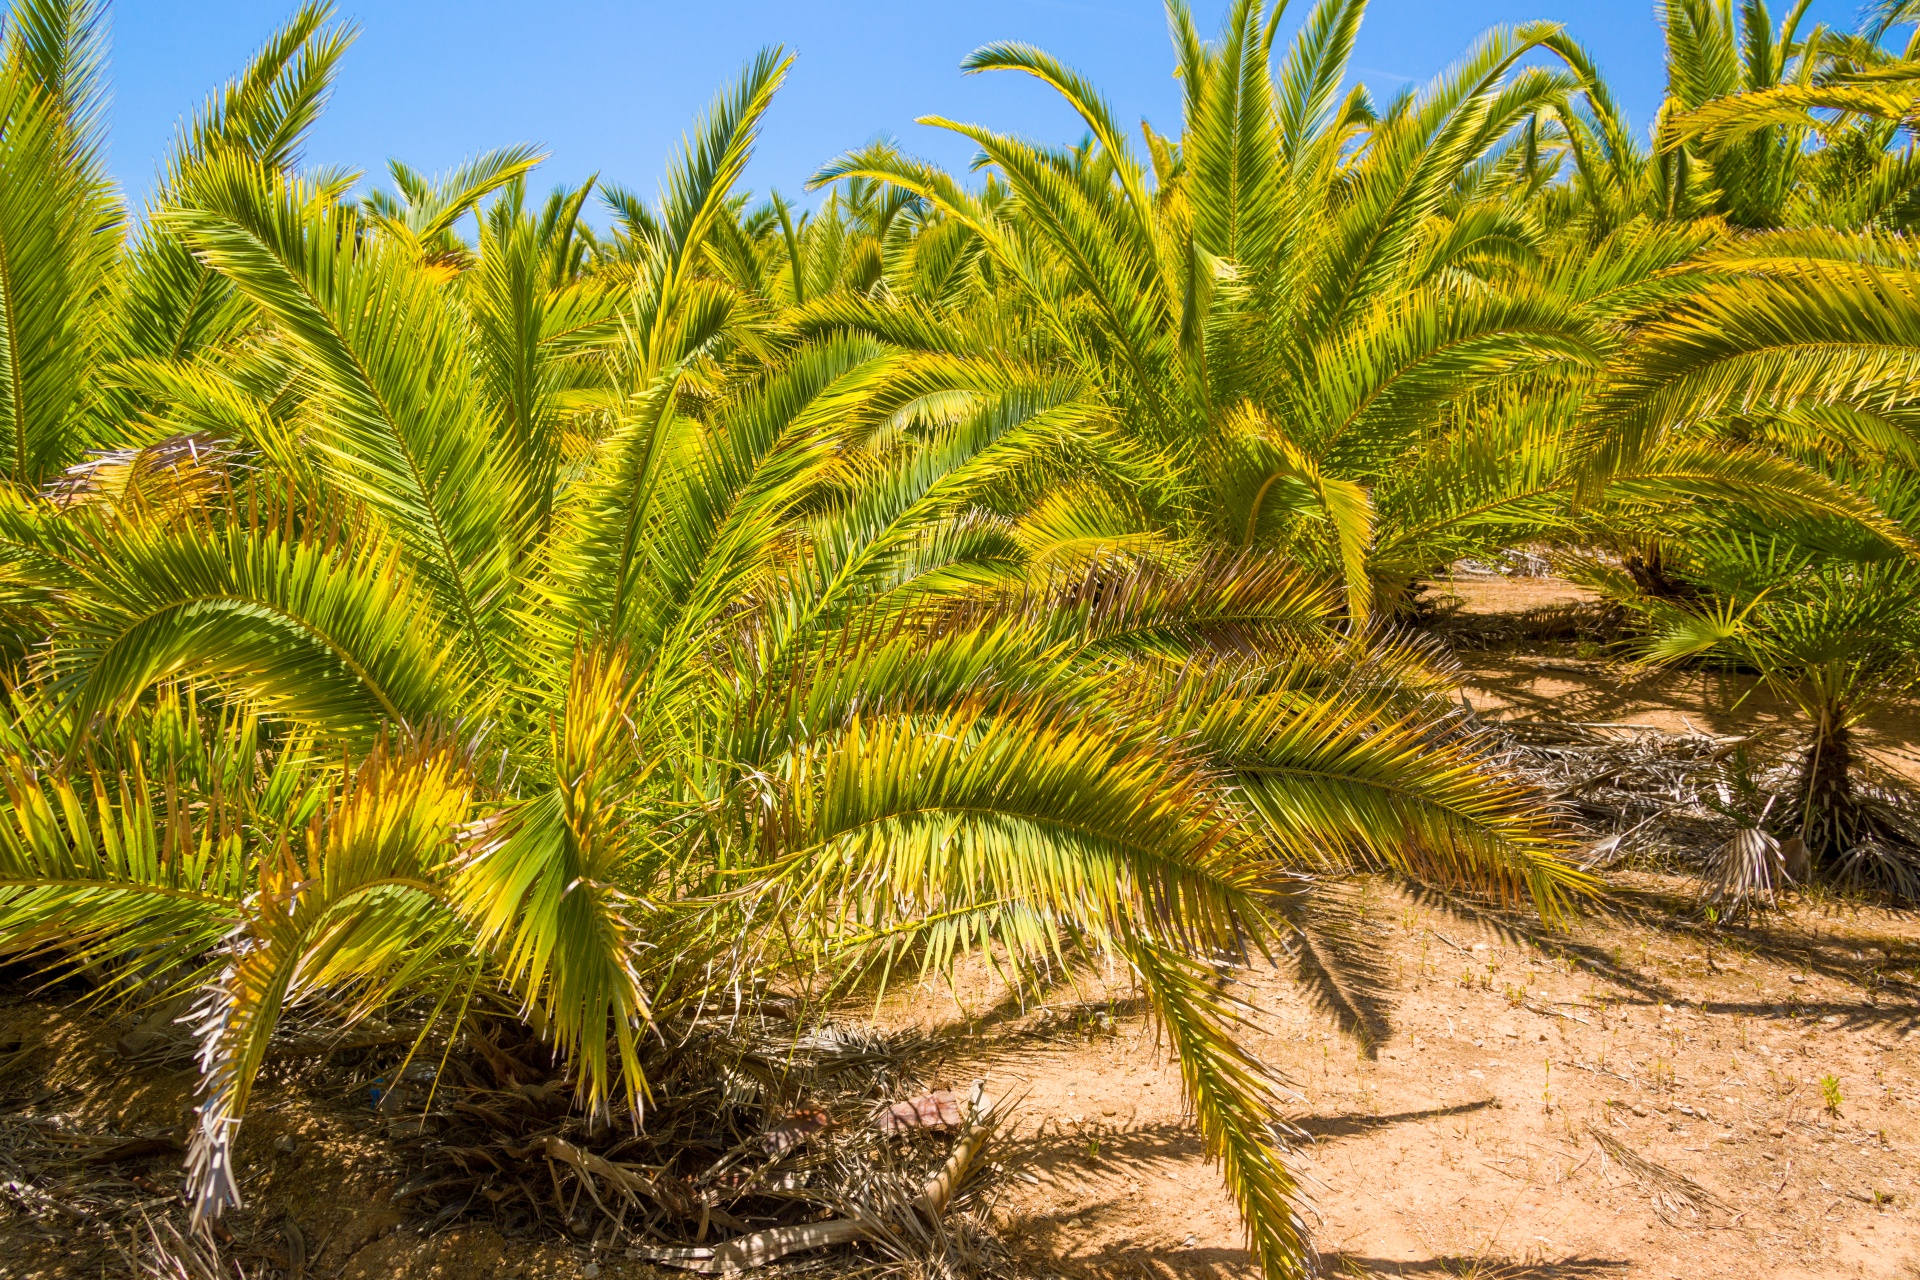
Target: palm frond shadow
point(1853, 1017)
point(1017, 1018)
point(1349, 1264)
point(1342, 966)
point(1826, 955)
point(1172, 1143)
point(1674, 915)
point(1353, 1124)
point(990, 1045)
point(1515, 930)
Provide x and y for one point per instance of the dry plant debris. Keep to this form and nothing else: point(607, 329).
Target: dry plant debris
point(1699, 803)
point(1673, 1193)
point(762, 1141)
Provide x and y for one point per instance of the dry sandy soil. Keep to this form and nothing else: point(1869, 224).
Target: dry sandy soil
point(1636, 1096)
point(1467, 1146)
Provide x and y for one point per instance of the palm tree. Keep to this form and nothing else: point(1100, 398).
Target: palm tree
point(1815, 131)
point(1309, 327)
point(574, 626)
point(1801, 345)
point(1748, 180)
point(1765, 124)
point(1276, 308)
point(1833, 630)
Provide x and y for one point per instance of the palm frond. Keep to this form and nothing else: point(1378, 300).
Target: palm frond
point(313, 618)
point(355, 914)
point(384, 350)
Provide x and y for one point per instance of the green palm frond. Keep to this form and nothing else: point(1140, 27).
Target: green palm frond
point(1085, 100)
point(1738, 115)
point(352, 915)
point(1100, 833)
point(312, 617)
point(1814, 332)
point(135, 865)
point(1410, 166)
point(60, 47)
point(1234, 1098)
point(1760, 481)
point(175, 305)
point(548, 884)
point(60, 229)
point(1504, 479)
point(1358, 773)
point(1009, 826)
point(1313, 72)
point(1233, 148)
point(674, 314)
point(427, 210)
point(1223, 603)
point(536, 339)
point(722, 495)
point(267, 110)
point(385, 352)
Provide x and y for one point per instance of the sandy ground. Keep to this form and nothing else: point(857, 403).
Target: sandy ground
point(1490, 594)
point(1464, 1146)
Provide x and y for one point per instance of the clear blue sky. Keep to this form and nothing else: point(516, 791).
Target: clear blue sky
point(610, 85)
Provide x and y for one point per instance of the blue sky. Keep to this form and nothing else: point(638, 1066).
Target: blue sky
point(610, 86)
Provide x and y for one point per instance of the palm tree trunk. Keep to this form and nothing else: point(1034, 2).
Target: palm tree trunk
point(1649, 574)
point(1830, 815)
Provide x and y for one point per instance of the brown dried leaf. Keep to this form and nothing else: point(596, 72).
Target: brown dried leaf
point(936, 1110)
point(134, 1149)
point(794, 1130)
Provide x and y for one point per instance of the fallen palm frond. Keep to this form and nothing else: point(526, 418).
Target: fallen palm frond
point(871, 1210)
point(99, 1192)
point(166, 1254)
point(1749, 869)
point(764, 1139)
point(1886, 862)
point(1673, 1193)
point(1619, 776)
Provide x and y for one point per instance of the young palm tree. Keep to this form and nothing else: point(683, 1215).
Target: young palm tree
point(1831, 627)
point(444, 619)
point(1801, 345)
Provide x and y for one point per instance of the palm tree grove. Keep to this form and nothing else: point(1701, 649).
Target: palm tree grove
point(1326, 692)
